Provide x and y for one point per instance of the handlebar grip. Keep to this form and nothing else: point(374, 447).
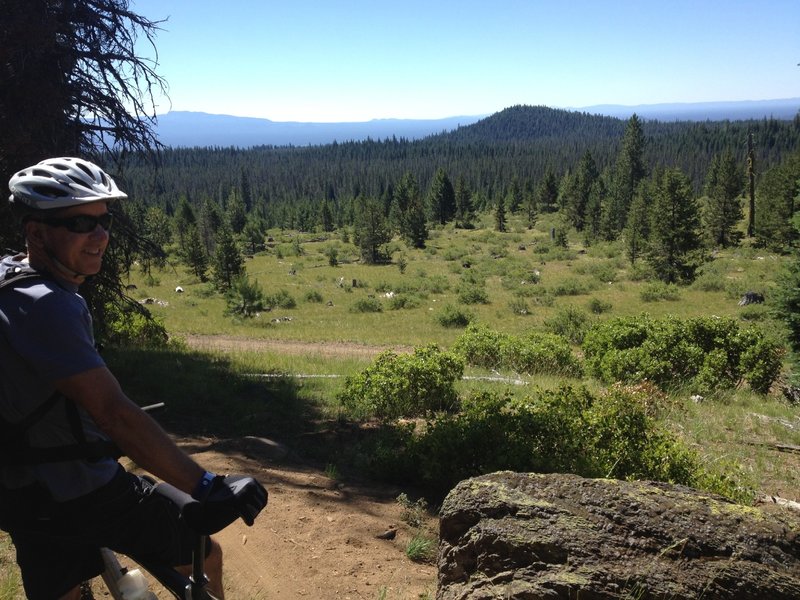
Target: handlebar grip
point(230, 498)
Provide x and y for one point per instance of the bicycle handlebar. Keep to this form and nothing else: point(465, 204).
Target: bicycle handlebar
point(231, 497)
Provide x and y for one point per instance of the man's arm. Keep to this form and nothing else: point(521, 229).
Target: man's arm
point(134, 431)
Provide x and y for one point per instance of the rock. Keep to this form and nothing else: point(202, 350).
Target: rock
point(529, 536)
point(751, 298)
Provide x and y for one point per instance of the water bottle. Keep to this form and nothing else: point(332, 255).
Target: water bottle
point(133, 586)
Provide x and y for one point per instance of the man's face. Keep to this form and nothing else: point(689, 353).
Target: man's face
point(80, 253)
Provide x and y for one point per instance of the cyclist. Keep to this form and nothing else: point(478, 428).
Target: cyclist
point(63, 495)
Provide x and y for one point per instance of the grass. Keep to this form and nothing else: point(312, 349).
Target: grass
point(433, 281)
point(516, 269)
point(291, 397)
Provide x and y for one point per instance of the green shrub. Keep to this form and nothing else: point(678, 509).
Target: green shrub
point(709, 353)
point(398, 301)
point(280, 299)
point(245, 297)
point(404, 385)
point(535, 352)
point(658, 290)
point(570, 323)
point(313, 296)
point(569, 430)
point(367, 305)
point(518, 306)
point(133, 327)
point(572, 286)
point(453, 316)
point(598, 306)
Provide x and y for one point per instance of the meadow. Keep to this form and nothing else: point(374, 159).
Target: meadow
point(282, 371)
point(514, 282)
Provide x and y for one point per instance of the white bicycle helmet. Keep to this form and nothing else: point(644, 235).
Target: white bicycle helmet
point(62, 182)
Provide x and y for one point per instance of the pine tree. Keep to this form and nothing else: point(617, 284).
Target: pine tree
point(500, 215)
point(514, 196)
point(325, 216)
point(371, 230)
point(723, 205)
point(547, 192)
point(228, 262)
point(776, 199)
point(579, 188)
point(465, 212)
point(637, 227)
point(529, 202)
point(184, 218)
point(236, 212)
point(674, 238)
point(442, 198)
point(409, 212)
point(194, 254)
point(629, 170)
point(209, 223)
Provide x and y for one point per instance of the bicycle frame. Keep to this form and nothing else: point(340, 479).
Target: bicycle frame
point(179, 585)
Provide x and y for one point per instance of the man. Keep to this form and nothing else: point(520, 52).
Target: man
point(63, 495)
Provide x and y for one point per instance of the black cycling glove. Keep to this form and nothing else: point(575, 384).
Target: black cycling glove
point(223, 499)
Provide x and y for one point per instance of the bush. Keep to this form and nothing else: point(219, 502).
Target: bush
point(280, 299)
point(571, 286)
point(533, 353)
point(313, 296)
point(518, 306)
point(399, 301)
point(367, 305)
point(598, 306)
point(453, 316)
point(472, 294)
point(570, 323)
point(658, 290)
point(708, 353)
point(134, 327)
point(404, 385)
point(569, 430)
point(245, 298)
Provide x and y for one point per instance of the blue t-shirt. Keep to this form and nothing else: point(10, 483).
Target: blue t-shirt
point(46, 335)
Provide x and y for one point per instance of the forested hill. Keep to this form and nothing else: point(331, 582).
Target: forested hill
point(521, 144)
point(531, 123)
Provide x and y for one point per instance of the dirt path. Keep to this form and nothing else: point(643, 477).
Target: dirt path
point(317, 537)
point(333, 349)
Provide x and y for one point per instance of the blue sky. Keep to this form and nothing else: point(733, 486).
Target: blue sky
point(353, 60)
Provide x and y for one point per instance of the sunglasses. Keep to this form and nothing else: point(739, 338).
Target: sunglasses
point(80, 223)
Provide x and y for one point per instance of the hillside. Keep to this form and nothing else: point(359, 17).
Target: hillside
point(521, 142)
point(195, 129)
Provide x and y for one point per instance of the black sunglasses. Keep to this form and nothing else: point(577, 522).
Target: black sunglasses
point(80, 223)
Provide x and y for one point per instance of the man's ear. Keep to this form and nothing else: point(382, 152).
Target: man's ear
point(34, 233)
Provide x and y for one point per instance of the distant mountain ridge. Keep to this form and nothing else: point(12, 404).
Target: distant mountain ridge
point(196, 129)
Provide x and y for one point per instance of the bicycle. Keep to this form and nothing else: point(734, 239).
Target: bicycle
point(201, 518)
point(205, 518)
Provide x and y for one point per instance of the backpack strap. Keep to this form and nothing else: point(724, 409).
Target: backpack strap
point(14, 447)
point(15, 275)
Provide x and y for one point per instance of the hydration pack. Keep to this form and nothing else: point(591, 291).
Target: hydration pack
point(15, 448)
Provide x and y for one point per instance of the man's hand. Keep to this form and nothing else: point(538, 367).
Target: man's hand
point(245, 493)
point(224, 498)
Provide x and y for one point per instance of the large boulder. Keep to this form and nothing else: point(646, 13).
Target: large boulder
point(528, 536)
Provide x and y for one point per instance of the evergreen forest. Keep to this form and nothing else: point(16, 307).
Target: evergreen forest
point(602, 175)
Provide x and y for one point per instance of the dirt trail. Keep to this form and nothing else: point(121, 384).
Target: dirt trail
point(317, 537)
point(333, 349)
